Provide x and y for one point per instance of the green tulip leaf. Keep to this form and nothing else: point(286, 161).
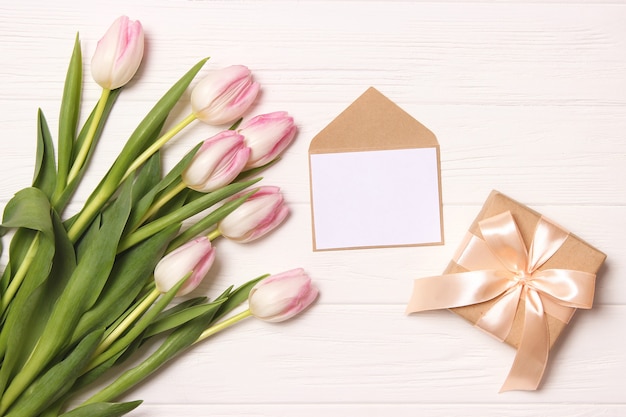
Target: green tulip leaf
point(171, 180)
point(31, 315)
point(225, 293)
point(32, 248)
point(236, 298)
point(69, 112)
point(137, 328)
point(29, 208)
point(44, 177)
point(101, 249)
point(132, 270)
point(17, 327)
point(64, 192)
point(93, 374)
point(181, 306)
point(179, 340)
point(103, 409)
point(83, 287)
point(179, 318)
point(145, 181)
point(57, 380)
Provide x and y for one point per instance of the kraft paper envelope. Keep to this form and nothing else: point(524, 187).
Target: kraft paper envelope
point(375, 179)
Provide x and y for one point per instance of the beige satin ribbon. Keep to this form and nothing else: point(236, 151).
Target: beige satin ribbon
point(501, 267)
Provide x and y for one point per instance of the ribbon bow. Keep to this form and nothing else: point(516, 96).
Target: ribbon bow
point(502, 269)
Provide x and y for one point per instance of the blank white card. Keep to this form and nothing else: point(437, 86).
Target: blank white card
point(375, 198)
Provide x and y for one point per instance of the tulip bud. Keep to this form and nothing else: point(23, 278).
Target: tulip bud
point(118, 54)
point(195, 257)
point(224, 95)
point(258, 215)
point(282, 296)
point(218, 161)
point(267, 136)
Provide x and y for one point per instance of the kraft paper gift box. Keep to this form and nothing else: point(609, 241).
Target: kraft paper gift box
point(568, 255)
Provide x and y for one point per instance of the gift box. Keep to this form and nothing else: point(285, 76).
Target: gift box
point(519, 277)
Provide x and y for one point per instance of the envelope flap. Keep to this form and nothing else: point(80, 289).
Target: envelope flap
point(372, 122)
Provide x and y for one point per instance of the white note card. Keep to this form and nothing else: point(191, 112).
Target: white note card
point(376, 198)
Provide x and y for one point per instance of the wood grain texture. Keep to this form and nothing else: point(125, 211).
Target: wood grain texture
point(525, 97)
point(383, 410)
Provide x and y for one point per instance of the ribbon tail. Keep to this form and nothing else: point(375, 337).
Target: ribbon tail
point(498, 320)
point(532, 354)
point(456, 290)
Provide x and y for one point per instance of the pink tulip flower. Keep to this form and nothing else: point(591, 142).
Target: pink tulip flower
point(195, 257)
point(218, 161)
point(224, 95)
point(257, 216)
point(267, 135)
point(118, 54)
point(282, 296)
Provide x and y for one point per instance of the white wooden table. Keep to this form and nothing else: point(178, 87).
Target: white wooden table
point(526, 98)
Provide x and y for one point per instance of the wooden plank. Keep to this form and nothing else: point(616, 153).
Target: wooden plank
point(372, 276)
point(362, 354)
point(379, 410)
point(555, 155)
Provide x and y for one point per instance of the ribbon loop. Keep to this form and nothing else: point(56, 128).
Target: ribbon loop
point(505, 241)
point(517, 279)
point(546, 242)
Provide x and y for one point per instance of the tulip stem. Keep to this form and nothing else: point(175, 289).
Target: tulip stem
point(214, 235)
point(87, 214)
point(223, 325)
point(161, 202)
point(130, 319)
point(158, 144)
point(20, 273)
point(91, 133)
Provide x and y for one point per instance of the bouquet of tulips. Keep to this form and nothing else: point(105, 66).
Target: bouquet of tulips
point(82, 293)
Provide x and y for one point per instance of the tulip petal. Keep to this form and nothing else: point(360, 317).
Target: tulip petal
point(201, 269)
point(228, 170)
point(218, 161)
point(268, 224)
point(282, 296)
point(268, 135)
point(118, 54)
point(224, 95)
point(194, 257)
point(256, 217)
